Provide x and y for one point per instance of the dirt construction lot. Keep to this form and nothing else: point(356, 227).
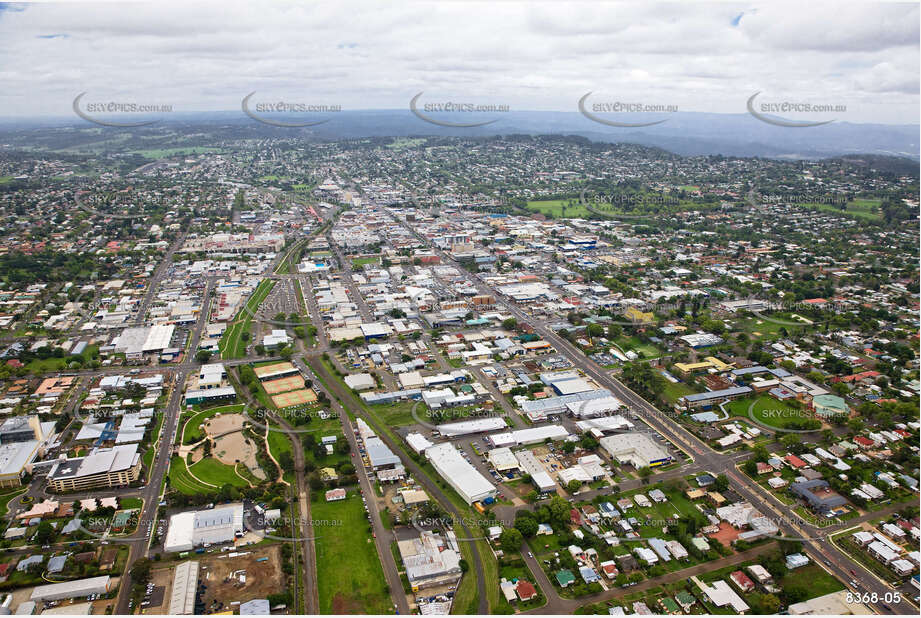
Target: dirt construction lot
point(227, 578)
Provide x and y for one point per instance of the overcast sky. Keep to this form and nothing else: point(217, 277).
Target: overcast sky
point(708, 56)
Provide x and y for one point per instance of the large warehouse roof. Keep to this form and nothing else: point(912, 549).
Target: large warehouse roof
point(460, 474)
point(529, 435)
point(185, 583)
point(72, 589)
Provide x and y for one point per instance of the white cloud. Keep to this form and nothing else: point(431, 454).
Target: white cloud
point(537, 56)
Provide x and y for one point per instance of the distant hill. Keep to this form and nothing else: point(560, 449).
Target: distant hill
point(683, 133)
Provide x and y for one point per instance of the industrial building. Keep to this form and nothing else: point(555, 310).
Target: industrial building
point(539, 475)
point(478, 425)
point(594, 407)
point(459, 473)
point(531, 435)
point(73, 589)
point(194, 528)
point(637, 449)
point(431, 560)
point(182, 595)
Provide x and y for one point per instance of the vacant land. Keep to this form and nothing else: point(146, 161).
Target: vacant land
point(221, 578)
point(350, 579)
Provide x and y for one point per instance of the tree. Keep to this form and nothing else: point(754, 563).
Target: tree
point(573, 486)
point(510, 540)
point(140, 571)
point(45, 533)
point(286, 461)
point(645, 472)
point(509, 323)
point(203, 356)
point(765, 604)
point(526, 525)
point(721, 483)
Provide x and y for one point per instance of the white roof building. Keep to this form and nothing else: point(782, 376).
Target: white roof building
point(637, 449)
point(359, 381)
point(502, 459)
point(478, 425)
point(531, 435)
point(185, 584)
point(459, 473)
point(594, 407)
point(193, 528)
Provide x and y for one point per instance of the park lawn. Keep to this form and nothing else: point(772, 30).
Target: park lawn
point(210, 470)
point(131, 503)
point(278, 441)
point(160, 153)
point(183, 482)
point(768, 411)
point(5, 499)
point(675, 391)
point(231, 344)
point(5, 179)
point(645, 350)
point(861, 209)
point(359, 262)
point(192, 430)
point(405, 142)
point(350, 579)
point(560, 209)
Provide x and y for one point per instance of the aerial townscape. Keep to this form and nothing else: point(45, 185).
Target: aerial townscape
point(249, 367)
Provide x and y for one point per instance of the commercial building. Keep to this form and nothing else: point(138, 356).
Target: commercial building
point(818, 494)
point(531, 435)
point(539, 476)
point(459, 473)
point(604, 424)
point(185, 584)
point(73, 589)
point(502, 459)
point(104, 467)
point(15, 459)
point(637, 449)
point(594, 407)
point(193, 528)
point(841, 603)
point(540, 409)
point(196, 396)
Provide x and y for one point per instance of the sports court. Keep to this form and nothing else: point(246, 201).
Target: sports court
point(267, 372)
point(294, 398)
point(290, 383)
